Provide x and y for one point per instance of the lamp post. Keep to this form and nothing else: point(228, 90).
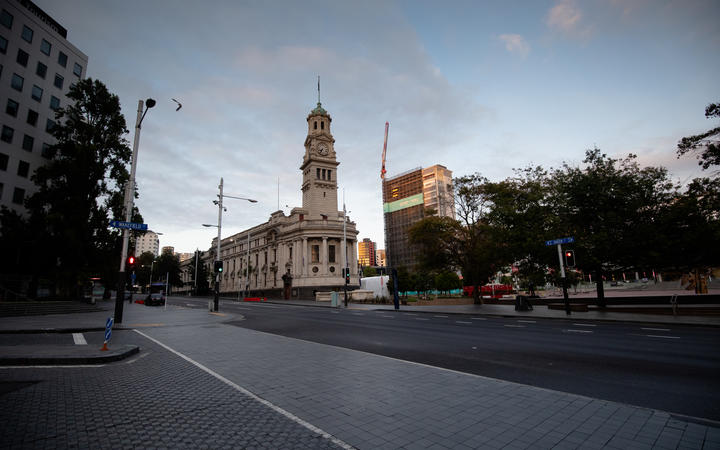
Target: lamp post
point(216, 304)
point(129, 197)
point(347, 269)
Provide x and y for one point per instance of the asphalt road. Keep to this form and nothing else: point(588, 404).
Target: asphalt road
point(675, 369)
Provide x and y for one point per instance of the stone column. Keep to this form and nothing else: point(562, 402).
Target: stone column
point(353, 260)
point(305, 256)
point(324, 256)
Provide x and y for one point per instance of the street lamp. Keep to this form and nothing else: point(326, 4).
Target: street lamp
point(216, 304)
point(129, 198)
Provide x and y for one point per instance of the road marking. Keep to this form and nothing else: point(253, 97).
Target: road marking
point(444, 317)
point(218, 314)
point(478, 318)
point(664, 337)
point(79, 339)
point(410, 314)
point(241, 389)
point(584, 325)
point(334, 312)
point(421, 318)
point(387, 317)
point(190, 304)
point(460, 321)
point(527, 321)
point(515, 326)
point(358, 314)
point(570, 330)
point(655, 329)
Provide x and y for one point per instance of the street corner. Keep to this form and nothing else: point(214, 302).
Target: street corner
point(64, 355)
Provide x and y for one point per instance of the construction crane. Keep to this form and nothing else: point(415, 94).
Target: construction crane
point(383, 171)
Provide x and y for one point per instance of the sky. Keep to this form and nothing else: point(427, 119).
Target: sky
point(477, 86)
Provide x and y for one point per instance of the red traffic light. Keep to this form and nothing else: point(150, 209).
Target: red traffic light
point(131, 260)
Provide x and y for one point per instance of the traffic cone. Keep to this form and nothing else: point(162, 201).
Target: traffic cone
point(104, 347)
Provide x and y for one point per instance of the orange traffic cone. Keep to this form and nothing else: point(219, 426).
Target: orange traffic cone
point(104, 347)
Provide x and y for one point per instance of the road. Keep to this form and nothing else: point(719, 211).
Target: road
point(675, 369)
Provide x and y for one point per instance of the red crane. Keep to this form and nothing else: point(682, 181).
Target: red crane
point(383, 171)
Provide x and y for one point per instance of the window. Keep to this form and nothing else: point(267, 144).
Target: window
point(28, 142)
point(323, 174)
point(12, 107)
point(3, 161)
point(315, 125)
point(45, 47)
point(45, 151)
point(322, 124)
point(22, 57)
point(315, 253)
point(54, 102)
point(32, 117)
point(290, 247)
point(62, 59)
point(6, 19)
point(18, 196)
point(58, 81)
point(17, 82)
point(3, 45)
point(77, 70)
point(318, 173)
point(41, 70)
point(49, 125)
point(329, 174)
point(23, 169)
point(331, 253)
point(36, 92)
point(7, 134)
point(27, 33)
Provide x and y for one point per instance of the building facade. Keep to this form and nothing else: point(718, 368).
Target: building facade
point(147, 242)
point(298, 255)
point(38, 67)
point(366, 253)
point(380, 257)
point(406, 199)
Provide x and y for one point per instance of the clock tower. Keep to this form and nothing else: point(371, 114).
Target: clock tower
point(319, 167)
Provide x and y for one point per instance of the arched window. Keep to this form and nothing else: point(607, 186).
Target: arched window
point(322, 124)
point(315, 127)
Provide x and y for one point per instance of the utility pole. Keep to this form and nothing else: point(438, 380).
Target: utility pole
point(216, 304)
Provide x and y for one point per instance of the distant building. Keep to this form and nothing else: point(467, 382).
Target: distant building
point(366, 252)
point(184, 256)
point(406, 199)
point(298, 255)
point(147, 242)
point(168, 249)
point(38, 67)
point(380, 257)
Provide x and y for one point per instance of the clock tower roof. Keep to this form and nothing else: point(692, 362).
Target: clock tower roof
point(318, 111)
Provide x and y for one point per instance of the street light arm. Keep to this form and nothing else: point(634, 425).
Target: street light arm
point(240, 198)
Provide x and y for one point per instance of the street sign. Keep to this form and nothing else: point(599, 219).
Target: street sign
point(566, 240)
point(129, 225)
point(108, 328)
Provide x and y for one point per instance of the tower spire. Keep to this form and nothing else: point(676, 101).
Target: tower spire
point(318, 89)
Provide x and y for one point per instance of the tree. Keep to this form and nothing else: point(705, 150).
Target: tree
point(203, 286)
point(168, 265)
point(369, 272)
point(81, 188)
point(708, 141)
point(610, 208)
point(447, 281)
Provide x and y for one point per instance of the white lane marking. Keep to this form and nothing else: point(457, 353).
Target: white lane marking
point(334, 312)
point(241, 389)
point(358, 314)
point(664, 337)
point(387, 317)
point(444, 317)
point(460, 321)
point(570, 330)
point(527, 321)
point(478, 318)
point(421, 318)
point(655, 329)
point(79, 339)
point(584, 325)
point(410, 314)
point(515, 326)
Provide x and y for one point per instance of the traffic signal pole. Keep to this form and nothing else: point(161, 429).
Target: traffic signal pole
point(563, 280)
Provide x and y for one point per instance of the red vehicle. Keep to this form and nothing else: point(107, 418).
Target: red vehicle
point(490, 290)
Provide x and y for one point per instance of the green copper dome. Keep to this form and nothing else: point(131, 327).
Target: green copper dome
point(319, 110)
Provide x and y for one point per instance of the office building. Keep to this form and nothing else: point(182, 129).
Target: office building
point(380, 257)
point(366, 252)
point(407, 198)
point(38, 67)
point(147, 242)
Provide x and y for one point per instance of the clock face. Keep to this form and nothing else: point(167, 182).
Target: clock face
point(322, 149)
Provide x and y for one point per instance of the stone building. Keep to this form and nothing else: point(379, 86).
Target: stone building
point(298, 255)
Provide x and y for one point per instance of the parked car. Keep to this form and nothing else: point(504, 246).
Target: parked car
point(155, 299)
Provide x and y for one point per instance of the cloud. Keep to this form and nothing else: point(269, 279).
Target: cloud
point(515, 43)
point(567, 18)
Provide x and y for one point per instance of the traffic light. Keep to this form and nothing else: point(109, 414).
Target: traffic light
point(218, 266)
point(347, 275)
point(570, 258)
point(131, 262)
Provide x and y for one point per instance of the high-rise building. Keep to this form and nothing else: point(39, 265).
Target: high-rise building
point(38, 67)
point(366, 252)
point(406, 199)
point(168, 249)
point(380, 257)
point(147, 242)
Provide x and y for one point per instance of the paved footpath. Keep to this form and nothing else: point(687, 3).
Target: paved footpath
point(247, 388)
